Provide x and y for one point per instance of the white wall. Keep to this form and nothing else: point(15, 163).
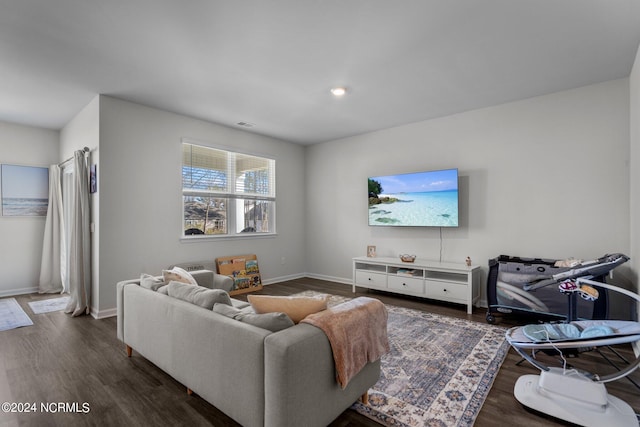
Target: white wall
point(84, 131)
point(140, 197)
point(634, 117)
point(21, 237)
point(543, 177)
point(547, 176)
point(81, 131)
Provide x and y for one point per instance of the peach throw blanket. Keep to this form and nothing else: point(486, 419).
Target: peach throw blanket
point(357, 332)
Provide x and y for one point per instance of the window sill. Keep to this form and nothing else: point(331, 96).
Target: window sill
point(210, 238)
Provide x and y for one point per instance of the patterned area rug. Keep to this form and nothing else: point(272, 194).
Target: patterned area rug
point(439, 371)
point(12, 315)
point(49, 305)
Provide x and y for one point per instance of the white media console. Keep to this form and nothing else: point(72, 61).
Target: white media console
point(442, 281)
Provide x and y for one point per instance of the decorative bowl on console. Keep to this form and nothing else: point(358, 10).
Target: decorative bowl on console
point(407, 258)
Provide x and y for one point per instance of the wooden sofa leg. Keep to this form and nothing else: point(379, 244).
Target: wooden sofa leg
point(129, 351)
point(365, 398)
point(189, 391)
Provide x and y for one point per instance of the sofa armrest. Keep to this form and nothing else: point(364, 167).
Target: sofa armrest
point(204, 278)
point(212, 280)
point(220, 281)
point(300, 379)
point(209, 278)
point(120, 304)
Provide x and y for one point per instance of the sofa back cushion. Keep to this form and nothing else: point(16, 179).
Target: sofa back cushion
point(273, 322)
point(198, 295)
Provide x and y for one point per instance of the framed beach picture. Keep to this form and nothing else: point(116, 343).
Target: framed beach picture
point(25, 190)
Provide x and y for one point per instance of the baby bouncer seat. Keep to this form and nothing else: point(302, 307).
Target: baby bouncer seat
point(567, 393)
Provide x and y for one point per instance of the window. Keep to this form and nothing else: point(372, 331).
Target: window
point(226, 193)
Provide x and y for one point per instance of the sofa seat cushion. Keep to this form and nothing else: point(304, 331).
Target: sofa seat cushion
point(296, 307)
point(273, 322)
point(198, 295)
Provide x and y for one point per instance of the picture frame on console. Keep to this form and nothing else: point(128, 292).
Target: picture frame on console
point(371, 251)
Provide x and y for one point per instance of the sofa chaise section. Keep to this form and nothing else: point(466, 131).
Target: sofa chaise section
point(300, 379)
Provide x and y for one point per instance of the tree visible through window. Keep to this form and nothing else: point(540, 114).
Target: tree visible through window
point(226, 193)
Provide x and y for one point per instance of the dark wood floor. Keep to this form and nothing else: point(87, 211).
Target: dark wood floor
point(74, 361)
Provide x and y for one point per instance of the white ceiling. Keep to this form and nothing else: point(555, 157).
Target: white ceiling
point(272, 62)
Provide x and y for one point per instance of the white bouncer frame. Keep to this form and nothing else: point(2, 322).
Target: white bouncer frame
point(572, 395)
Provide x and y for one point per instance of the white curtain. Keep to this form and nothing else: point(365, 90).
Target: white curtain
point(53, 252)
point(67, 199)
point(79, 244)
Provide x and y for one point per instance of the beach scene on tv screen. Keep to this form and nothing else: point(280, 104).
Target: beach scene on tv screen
point(427, 199)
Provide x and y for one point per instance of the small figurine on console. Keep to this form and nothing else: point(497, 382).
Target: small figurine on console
point(468, 262)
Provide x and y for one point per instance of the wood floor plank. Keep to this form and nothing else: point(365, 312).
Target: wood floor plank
point(78, 360)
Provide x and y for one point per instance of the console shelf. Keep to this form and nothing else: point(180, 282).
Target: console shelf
point(442, 281)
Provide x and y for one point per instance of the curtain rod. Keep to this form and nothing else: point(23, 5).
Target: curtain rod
point(85, 149)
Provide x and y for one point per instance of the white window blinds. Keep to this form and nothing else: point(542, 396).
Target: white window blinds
point(214, 171)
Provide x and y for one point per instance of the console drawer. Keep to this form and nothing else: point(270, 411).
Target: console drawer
point(446, 291)
point(406, 284)
point(371, 280)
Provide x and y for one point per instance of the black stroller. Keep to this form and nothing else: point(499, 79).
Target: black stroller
point(520, 286)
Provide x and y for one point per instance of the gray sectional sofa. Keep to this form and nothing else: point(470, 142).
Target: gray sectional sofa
point(256, 377)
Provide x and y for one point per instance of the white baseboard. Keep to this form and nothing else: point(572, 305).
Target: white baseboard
point(283, 278)
point(93, 311)
point(329, 278)
point(20, 291)
point(111, 312)
point(309, 275)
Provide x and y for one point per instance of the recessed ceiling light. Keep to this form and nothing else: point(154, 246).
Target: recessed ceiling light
point(338, 91)
point(246, 124)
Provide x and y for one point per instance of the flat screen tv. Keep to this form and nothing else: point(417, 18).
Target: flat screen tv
point(421, 199)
